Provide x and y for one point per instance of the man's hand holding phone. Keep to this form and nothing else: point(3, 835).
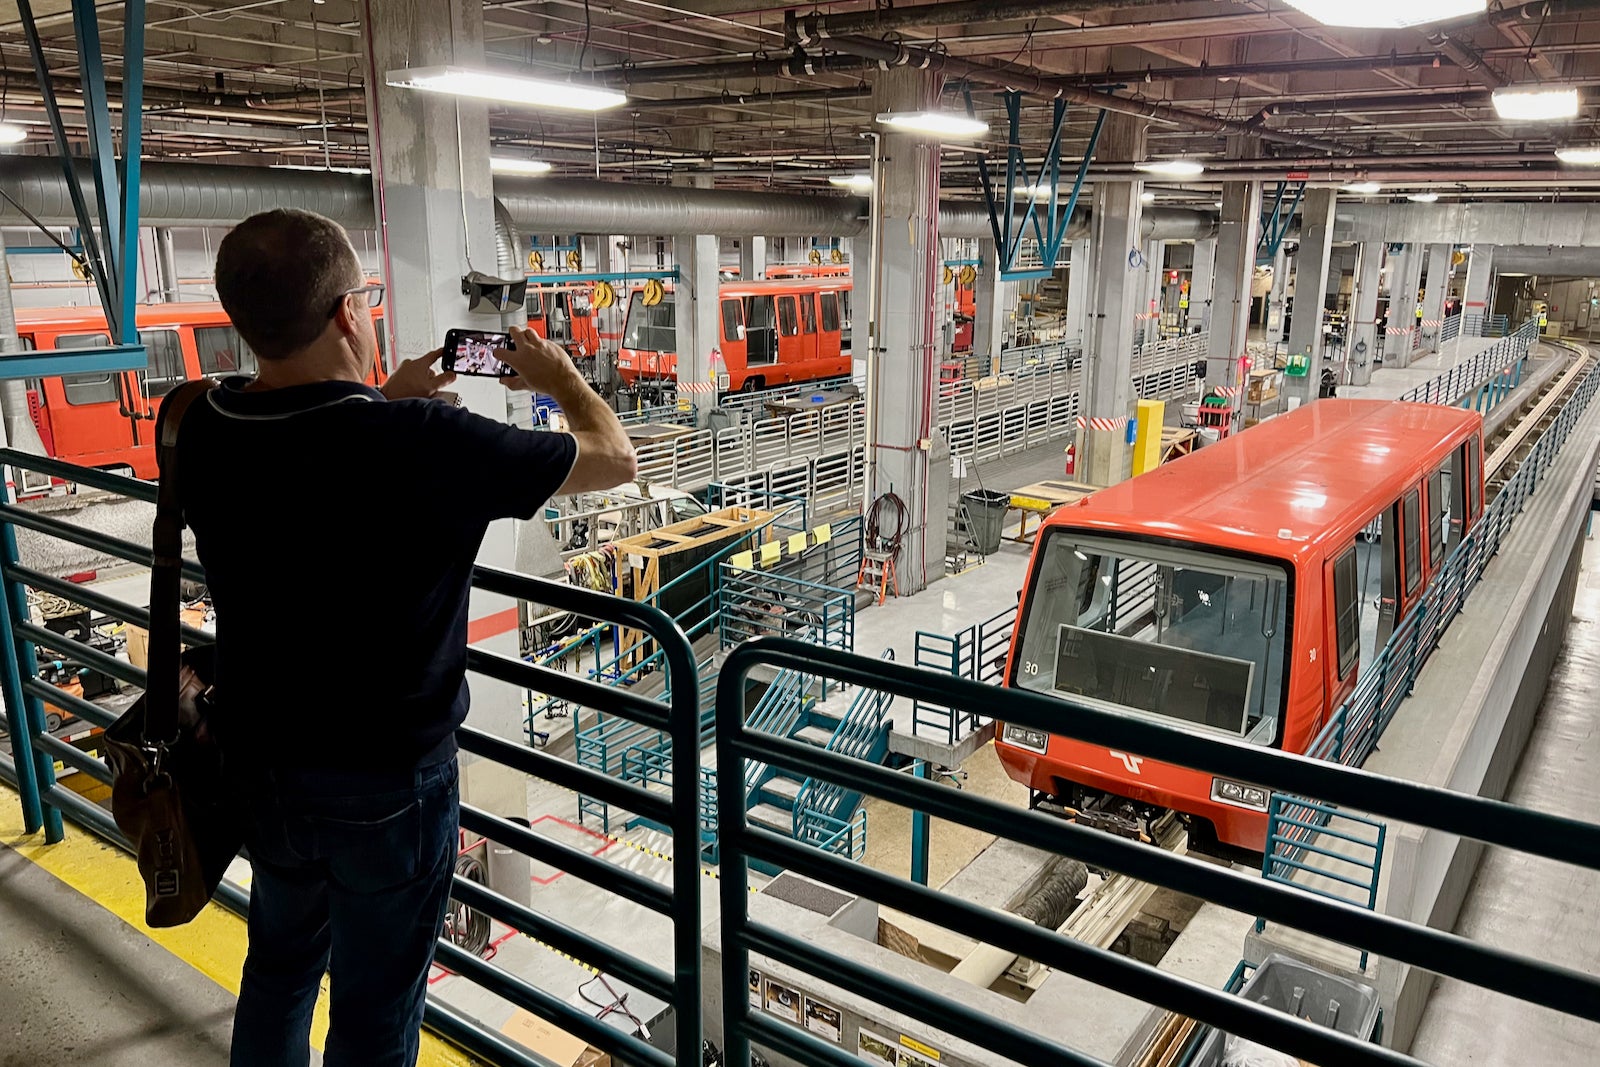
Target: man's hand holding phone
point(541, 366)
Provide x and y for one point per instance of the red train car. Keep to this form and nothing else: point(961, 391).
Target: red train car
point(106, 419)
point(564, 313)
point(785, 271)
point(769, 333)
point(1238, 592)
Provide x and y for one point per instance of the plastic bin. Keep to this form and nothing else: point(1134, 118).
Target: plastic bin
point(1299, 989)
point(986, 511)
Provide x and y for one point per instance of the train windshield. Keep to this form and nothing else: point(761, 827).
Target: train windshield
point(1177, 634)
point(650, 329)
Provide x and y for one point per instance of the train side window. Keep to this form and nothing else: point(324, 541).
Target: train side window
point(732, 321)
point(1347, 611)
point(1438, 514)
point(164, 372)
point(830, 312)
point(1413, 536)
point(223, 352)
point(534, 303)
point(808, 313)
point(87, 388)
point(788, 324)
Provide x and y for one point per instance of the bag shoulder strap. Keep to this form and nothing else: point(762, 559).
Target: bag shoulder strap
point(166, 570)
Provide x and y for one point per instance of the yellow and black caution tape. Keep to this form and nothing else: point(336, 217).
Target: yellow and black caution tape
point(663, 856)
point(653, 293)
point(604, 295)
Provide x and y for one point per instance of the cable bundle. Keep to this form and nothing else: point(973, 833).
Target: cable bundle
point(878, 540)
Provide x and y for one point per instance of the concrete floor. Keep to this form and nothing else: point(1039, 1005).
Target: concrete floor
point(82, 987)
point(1543, 909)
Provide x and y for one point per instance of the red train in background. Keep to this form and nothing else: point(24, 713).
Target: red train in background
point(1237, 592)
point(564, 312)
point(106, 419)
point(769, 333)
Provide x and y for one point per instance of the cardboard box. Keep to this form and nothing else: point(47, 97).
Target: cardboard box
point(553, 1043)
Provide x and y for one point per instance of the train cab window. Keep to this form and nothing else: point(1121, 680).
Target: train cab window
point(1159, 631)
point(1413, 535)
point(649, 329)
point(164, 372)
point(830, 312)
point(1438, 514)
point(788, 324)
point(808, 313)
point(732, 321)
point(1347, 611)
point(223, 352)
point(534, 303)
point(87, 388)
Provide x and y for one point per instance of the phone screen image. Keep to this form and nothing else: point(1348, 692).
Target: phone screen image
point(472, 352)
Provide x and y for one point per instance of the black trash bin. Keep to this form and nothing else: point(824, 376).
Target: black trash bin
point(986, 513)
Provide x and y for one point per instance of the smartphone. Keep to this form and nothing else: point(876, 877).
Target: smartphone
point(472, 352)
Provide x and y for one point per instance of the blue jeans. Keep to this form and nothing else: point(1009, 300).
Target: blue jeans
point(351, 872)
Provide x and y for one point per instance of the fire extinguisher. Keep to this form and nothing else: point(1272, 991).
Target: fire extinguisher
point(1072, 459)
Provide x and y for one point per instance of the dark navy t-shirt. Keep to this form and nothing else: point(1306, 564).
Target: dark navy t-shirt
point(338, 531)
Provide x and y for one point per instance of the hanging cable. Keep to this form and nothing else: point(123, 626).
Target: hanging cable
point(878, 537)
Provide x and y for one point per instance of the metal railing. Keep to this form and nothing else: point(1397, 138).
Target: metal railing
point(752, 603)
point(1295, 829)
point(1494, 822)
point(1465, 378)
point(977, 652)
point(45, 801)
point(824, 811)
point(756, 401)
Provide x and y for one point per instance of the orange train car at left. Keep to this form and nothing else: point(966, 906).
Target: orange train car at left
point(106, 419)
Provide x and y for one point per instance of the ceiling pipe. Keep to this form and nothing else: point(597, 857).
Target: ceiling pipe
point(1246, 70)
point(750, 99)
point(1468, 58)
point(960, 13)
point(177, 194)
point(798, 65)
point(1011, 76)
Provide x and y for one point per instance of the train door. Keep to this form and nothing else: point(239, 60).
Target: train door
point(534, 303)
point(1387, 562)
point(1438, 512)
point(1343, 582)
point(832, 342)
point(760, 333)
point(1411, 508)
point(733, 342)
point(844, 308)
point(165, 370)
point(809, 347)
point(585, 334)
point(791, 349)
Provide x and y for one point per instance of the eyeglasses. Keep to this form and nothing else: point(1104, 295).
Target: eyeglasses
point(373, 290)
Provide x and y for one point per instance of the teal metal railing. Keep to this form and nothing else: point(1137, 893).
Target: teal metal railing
point(824, 812)
point(30, 769)
point(978, 652)
point(753, 603)
point(1563, 839)
point(1464, 380)
point(1296, 829)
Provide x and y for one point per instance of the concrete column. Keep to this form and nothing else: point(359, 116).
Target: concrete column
point(1155, 258)
point(1364, 313)
point(752, 258)
point(695, 306)
point(1107, 386)
point(1236, 264)
point(1403, 286)
point(1080, 273)
point(905, 346)
point(1310, 287)
point(1477, 297)
point(431, 179)
point(1202, 284)
point(1433, 297)
point(166, 266)
point(988, 309)
point(1277, 296)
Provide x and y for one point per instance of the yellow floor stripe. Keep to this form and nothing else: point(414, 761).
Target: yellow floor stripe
point(213, 944)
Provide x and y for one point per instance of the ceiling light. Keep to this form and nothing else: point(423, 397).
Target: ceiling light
point(1387, 14)
point(1362, 188)
point(943, 123)
point(323, 170)
point(1536, 104)
point(1147, 198)
point(1423, 198)
point(507, 88)
point(859, 182)
point(504, 165)
point(1582, 155)
point(1171, 168)
point(11, 133)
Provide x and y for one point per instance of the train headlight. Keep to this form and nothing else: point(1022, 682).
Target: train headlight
point(1246, 796)
point(1026, 737)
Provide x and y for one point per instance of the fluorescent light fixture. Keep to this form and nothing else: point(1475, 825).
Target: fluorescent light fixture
point(505, 165)
point(1423, 198)
point(1171, 168)
point(11, 133)
point(1387, 14)
point(1582, 155)
point(1362, 188)
point(321, 170)
point(942, 123)
point(507, 88)
point(858, 182)
point(1148, 198)
point(1536, 104)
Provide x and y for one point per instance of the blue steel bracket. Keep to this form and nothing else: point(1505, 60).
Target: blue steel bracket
point(603, 276)
point(1275, 227)
point(72, 361)
point(1008, 234)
